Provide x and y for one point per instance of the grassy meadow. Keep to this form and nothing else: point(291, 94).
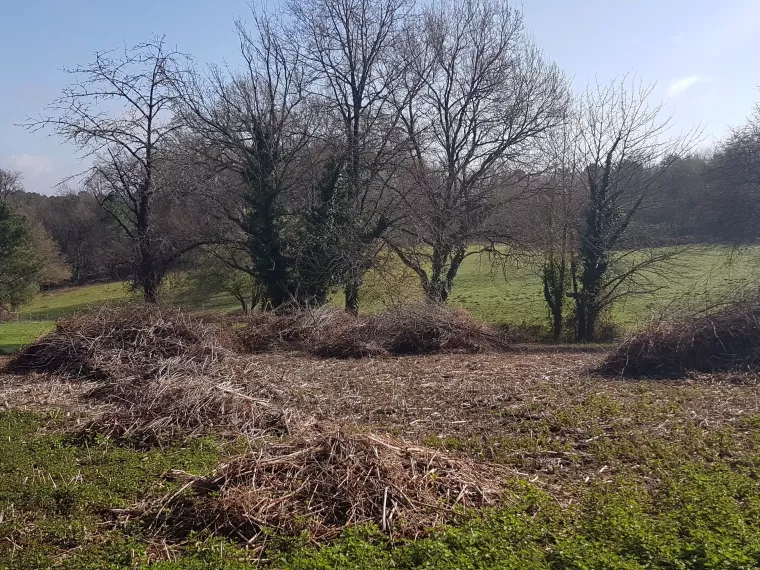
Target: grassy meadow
point(505, 295)
point(40, 315)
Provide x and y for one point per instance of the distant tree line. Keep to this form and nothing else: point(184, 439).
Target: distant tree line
point(352, 129)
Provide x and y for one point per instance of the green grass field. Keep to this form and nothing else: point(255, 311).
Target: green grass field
point(501, 295)
point(513, 295)
point(40, 315)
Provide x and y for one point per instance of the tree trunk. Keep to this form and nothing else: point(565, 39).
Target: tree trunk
point(276, 294)
point(580, 313)
point(557, 322)
point(257, 296)
point(588, 315)
point(437, 291)
point(150, 284)
point(352, 295)
point(554, 277)
point(148, 276)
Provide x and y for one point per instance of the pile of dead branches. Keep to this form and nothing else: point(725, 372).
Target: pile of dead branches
point(324, 483)
point(725, 341)
point(425, 328)
point(160, 373)
point(116, 342)
point(181, 403)
point(329, 332)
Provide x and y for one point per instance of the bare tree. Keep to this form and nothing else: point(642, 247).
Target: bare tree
point(557, 204)
point(625, 149)
point(349, 47)
point(734, 202)
point(477, 95)
point(259, 131)
point(118, 112)
point(10, 183)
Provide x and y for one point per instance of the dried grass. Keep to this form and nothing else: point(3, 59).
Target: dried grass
point(161, 373)
point(326, 482)
point(725, 341)
point(426, 329)
point(179, 404)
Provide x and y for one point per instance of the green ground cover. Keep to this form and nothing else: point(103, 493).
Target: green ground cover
point(692, 502)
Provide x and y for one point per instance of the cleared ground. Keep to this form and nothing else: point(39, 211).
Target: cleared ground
point(594, 472)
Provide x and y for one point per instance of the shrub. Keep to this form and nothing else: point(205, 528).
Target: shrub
point(727, 340)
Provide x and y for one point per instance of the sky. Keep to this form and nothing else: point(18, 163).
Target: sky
point(702, 55)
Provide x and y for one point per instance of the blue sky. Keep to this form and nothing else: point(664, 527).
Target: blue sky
point(701, 53)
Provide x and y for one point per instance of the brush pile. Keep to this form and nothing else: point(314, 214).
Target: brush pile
point(329, 332)
point(324, 483)
point(115, 342)
point(725, 341)
point(182, 403)
point(164, 374)
point(160, 372)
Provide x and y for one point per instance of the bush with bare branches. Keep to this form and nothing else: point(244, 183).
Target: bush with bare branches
point(727, 340)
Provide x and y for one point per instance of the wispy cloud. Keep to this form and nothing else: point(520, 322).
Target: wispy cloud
point(683, 84)
point(29, 164)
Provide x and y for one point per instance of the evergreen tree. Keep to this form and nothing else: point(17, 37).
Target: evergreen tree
point(21, 268)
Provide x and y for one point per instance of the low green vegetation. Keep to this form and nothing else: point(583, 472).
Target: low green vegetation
point(684, 498)
point(38, 317)
point(50, 305)
point(14, 335)
point(699, 518)
point(55, 494)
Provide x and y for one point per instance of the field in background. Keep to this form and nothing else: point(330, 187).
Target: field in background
point(39, 316)
point(510, 295)
point(513, 295)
